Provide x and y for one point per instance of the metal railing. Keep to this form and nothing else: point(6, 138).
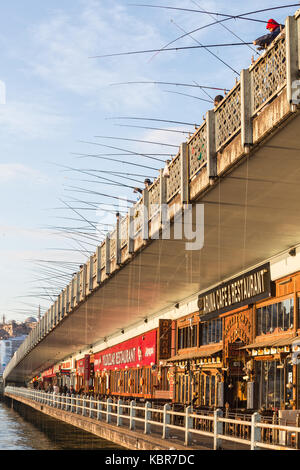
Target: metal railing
point(253, 431)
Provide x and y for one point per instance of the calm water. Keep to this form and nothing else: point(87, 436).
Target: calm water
point(24, 428)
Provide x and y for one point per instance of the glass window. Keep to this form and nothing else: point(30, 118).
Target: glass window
point(278, 315)
point(204, 333)
point(187, 337)
point(211, 332)
point(274, 316)
point(270, 377)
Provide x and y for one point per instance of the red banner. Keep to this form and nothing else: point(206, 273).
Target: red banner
point(80, 366)
point(140, 350)
point(48, 373)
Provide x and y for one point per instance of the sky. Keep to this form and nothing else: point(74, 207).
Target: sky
point(60, 103)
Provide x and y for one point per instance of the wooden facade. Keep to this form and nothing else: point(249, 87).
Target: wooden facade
point(249, 365)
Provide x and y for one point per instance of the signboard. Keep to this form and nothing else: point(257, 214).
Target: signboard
point(86, 367)
point(164, 339)
point(140, 350)
point(80, 367)
point(48, 373)
point(248, 288)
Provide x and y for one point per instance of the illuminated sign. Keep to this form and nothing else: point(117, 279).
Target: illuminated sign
point(138, 351)
point(243, 290)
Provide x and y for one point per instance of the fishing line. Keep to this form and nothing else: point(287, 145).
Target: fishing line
point(154, 128)
point(167, 83)
point(191, 96)
point(227, 29)
point(117, 148)
point(136, 140)
point(212, 53)
point(86, 155)
point(159, 120)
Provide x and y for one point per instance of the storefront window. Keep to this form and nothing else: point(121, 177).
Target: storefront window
point(187, 337)
point(271, 384)
point(211, 332)
point(279, 315)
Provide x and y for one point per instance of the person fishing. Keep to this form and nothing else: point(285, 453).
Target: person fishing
point(264, 41)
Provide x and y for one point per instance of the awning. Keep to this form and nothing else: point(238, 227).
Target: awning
point(203, 351)
point(271, 342)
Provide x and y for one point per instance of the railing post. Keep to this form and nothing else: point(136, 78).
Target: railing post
point(108, 409)
point(120, 412)
point(132, 415)
point(246, 111)
point(145, 210)
point(255, 431)
point(211, 145)
point(147, 429)
point(218, 429)
point(72, 403)
point(99, 408)
point(166, 421)
point(130, 230)
point(107, 255)
point(83, 406)
point(188, 425)
point(292, 60)
point(99, 264)
point(184, 173)
point(91, 413)
point(77, 404)
point(162, 198)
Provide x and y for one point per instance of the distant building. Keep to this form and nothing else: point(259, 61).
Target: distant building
point(13, 329)
point(7, 349)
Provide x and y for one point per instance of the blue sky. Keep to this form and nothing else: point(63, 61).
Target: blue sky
point(57, 96)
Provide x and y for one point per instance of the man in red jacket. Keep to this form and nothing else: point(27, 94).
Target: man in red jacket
point(264, 41)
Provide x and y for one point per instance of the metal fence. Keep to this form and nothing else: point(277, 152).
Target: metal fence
point(254, 431)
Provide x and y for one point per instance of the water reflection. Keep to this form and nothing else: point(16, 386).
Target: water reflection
point(24, 428)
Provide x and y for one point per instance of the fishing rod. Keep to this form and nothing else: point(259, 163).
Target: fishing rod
point(78, 213)
point(121, 172)
point(155, 128)
point(210, 52)
point(115, 183)
point(100, 204)
point(102, 182)
point(108, 181)
point(159, 120)
point(182, 48)
point(87, 155)
point(170, 83)
point(80, 234)
point(101, 194)
point(217, 22)
point(235, 17)
point(118, 174)
point(227, 29)
point(117, 148)
point(191, 96)
point(136, 140)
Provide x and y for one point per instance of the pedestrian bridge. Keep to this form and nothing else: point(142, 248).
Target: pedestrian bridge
point(239, 176)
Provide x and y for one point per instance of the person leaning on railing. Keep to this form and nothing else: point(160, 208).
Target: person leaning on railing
point(264, 41)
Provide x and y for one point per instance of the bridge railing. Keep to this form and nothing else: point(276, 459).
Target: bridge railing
point(253, 430)
point(273, 72)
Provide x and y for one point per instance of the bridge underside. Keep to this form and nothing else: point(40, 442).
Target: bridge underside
point(250, 214)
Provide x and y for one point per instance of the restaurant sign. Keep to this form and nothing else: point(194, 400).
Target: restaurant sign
point(248, 288)
point(138, 351)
